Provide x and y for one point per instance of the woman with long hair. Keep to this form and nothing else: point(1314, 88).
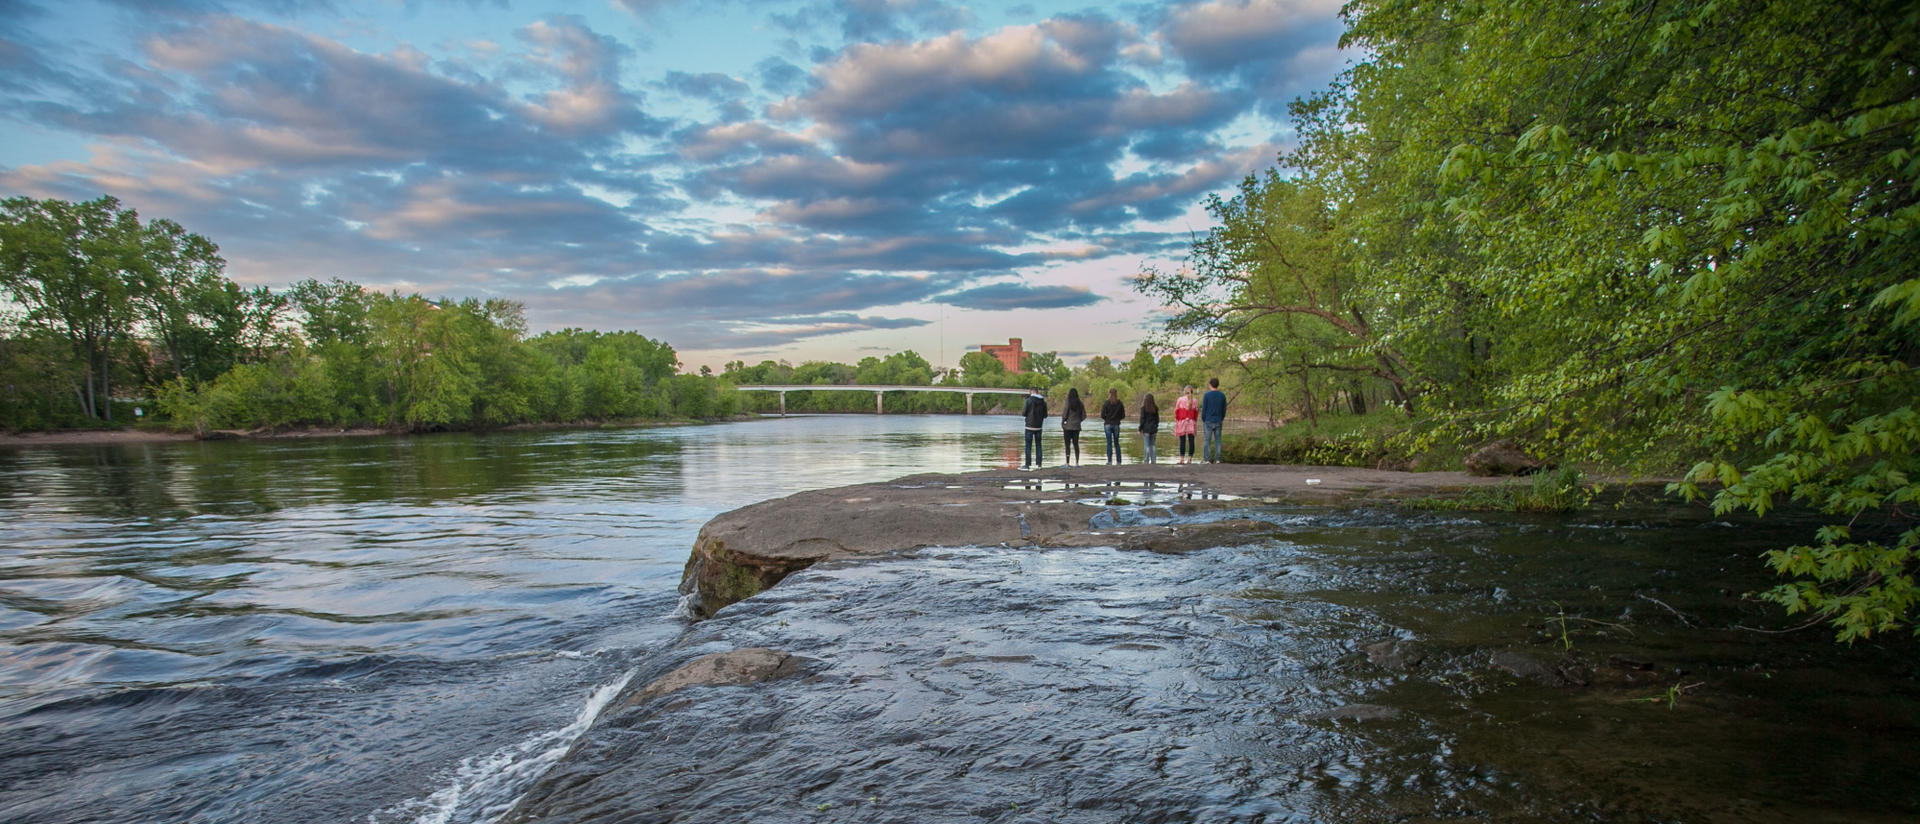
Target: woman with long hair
point(1070, 419)
point(1186, 422)
point(1149, 426)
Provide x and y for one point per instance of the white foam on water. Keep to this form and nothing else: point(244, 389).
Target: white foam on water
point(484, 788)
point(683, 611)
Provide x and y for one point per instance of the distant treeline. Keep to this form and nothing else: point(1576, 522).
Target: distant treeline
point(106, 309)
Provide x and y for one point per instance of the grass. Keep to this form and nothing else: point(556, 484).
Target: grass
point(1551, 491)
point(1671, 696)
point(1338, 440)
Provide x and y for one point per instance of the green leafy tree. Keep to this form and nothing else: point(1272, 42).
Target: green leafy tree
point(982, 369)
point(1048, 364)
point(74, 268)
point(1628, 233)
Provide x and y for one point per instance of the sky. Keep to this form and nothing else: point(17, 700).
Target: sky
point(797, 180)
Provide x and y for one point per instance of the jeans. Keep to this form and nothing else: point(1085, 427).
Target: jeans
point(1186, 446)
point(1033, 448)
point(1071, 446)
point(1113, 443)
point(1212, 450)
point(1147, 438)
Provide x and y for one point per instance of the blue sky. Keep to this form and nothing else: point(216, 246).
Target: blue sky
point(808, 179)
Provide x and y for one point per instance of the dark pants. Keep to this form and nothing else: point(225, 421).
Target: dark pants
point(1113, 443)
point(1033, 448)
point(1186, 446)
point(1072, 445)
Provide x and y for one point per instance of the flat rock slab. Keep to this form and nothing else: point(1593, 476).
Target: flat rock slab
point(743, 552)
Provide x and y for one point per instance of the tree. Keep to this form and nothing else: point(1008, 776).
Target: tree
point(1274, 276)
point(75, 267)
point(981, 369)
point(1048, 364)
point(188, 304)
point(1143, 370)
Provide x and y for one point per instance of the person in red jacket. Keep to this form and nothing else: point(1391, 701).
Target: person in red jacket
point(1186, 422)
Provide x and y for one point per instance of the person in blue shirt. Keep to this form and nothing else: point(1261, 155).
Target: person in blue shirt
point(1213, 415)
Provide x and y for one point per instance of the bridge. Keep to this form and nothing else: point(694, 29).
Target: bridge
point(879, 392)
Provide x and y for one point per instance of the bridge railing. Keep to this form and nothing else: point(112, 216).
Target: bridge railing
point(879, 391)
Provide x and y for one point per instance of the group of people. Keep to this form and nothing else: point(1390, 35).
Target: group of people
point(1190, 415)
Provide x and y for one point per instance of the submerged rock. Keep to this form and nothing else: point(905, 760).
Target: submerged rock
point(1545, 673)
point(741, 666)
point(1395, 654)
point(1354, 712)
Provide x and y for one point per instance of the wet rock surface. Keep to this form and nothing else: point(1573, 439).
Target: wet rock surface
point(1345, 666)
point(751, 549)
point(744, 666)
point(1354, 712)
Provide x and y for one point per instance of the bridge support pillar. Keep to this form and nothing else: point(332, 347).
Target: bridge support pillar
point(969, 403)
point(879, 403)
point(783, 404)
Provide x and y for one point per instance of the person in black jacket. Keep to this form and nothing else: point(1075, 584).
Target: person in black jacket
point(1070, 419)
point(1149, 426)
point(1112, 413)
point(1035, 414)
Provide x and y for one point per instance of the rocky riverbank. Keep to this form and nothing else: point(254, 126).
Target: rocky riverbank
point(1146, 507)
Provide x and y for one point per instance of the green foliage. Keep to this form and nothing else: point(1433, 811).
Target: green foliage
point(1552, 491)
point(1641, 235)
point(981, 369)
point(1048, 364)
point(74, 268)
point(102, 295)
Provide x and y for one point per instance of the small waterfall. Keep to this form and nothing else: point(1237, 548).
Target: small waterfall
point(484, 788)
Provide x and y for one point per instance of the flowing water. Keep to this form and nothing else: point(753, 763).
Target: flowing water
point(422, 629)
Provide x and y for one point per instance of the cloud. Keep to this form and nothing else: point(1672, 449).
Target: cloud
point(743, 307)
point(712, 86)
point(1012, 135)
point(1004, 296)
point(877, 20)
point(917, 162)
point(1276, 49)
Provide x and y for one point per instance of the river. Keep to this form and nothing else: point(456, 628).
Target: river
point(416, 629)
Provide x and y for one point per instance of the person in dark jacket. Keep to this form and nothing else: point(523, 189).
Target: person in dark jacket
point(1035, 414)
point(1213, 416)
point(1070, 419)
point(1149, 426)
point(1112, 413)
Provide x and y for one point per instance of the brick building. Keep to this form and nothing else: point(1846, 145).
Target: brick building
point(1010, 355)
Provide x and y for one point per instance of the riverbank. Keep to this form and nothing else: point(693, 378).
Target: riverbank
point(1165, 508)
point(116, 437)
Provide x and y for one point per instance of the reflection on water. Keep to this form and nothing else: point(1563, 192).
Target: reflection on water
point(414, 629)
point(317, 630)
